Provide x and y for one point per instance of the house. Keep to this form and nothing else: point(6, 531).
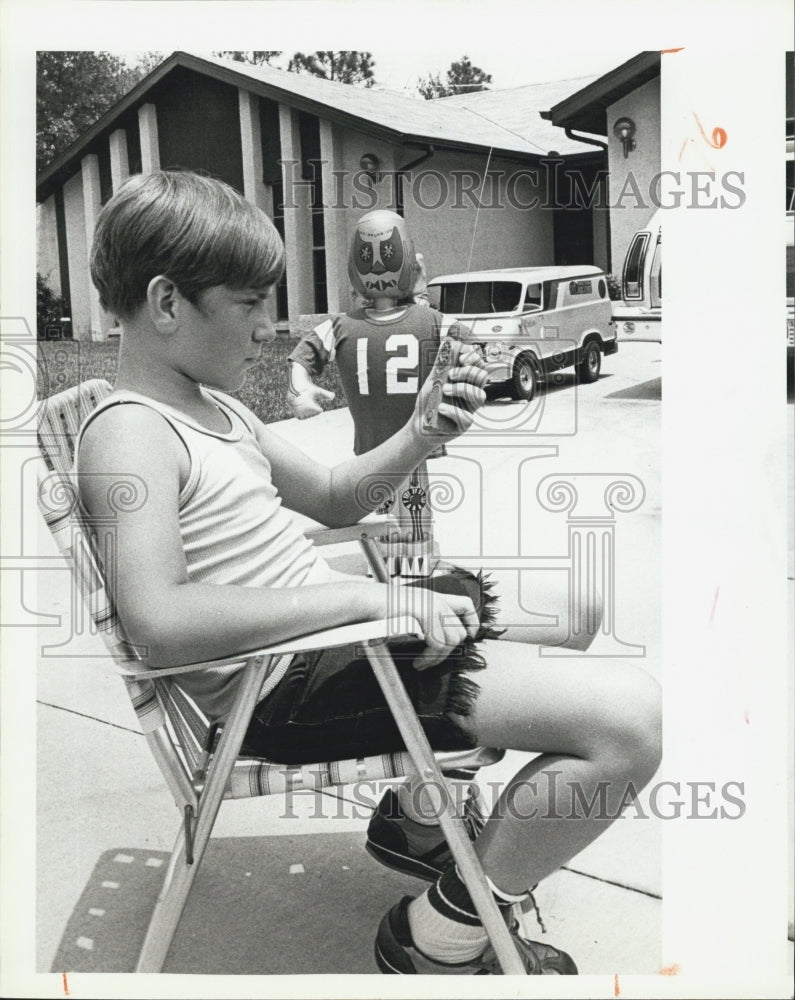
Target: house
point(475, 183)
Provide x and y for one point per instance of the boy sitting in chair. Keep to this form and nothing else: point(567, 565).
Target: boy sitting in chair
point(213, 562)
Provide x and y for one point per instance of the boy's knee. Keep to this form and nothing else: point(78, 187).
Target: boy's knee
point(637, 726)
point(585, 620)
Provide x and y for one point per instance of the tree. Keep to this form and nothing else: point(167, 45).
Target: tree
point(462, 78)
point(252, 58)
point(345, 67)
point(74, 89)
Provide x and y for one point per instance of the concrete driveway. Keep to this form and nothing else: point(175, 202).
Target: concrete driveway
point(295, 893)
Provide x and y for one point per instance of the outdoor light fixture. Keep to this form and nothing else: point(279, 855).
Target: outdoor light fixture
point(624, 129)
point(370, 164)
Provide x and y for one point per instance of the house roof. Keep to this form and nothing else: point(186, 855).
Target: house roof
point(520, 109)
point(586, 110)
point(449, 123)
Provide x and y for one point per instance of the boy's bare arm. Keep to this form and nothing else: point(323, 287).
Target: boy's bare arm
point(176, 620)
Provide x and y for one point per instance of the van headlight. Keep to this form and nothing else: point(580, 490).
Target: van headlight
point(493, 351)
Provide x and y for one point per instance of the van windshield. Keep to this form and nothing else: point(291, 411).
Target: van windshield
point(473, 297)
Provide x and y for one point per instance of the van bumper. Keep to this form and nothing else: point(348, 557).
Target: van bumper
point(500, 370)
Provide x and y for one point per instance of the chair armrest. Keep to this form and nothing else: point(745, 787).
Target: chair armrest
point(372, 526)
point(344, 635)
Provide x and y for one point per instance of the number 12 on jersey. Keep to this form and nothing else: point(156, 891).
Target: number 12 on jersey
point(394, 366)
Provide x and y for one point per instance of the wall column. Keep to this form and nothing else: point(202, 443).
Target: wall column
point(333, 224)
point(119, 163)
point(150, 149)
point(254, 189)
point(297, 226)
point(92, 203)
point(47, 260)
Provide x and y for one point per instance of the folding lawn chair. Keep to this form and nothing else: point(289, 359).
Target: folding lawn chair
point(201, 765)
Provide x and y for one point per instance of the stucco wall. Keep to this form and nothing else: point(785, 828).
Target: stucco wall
point(47, 262)
point(456, 236)
point(77, 251)
point(630, 178)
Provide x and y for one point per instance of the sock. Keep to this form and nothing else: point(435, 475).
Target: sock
point(444, 923)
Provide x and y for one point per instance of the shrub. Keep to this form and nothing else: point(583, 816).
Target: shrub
point(50, 308)
point(613, 287)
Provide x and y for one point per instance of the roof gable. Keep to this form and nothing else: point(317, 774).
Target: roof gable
point(586, 110)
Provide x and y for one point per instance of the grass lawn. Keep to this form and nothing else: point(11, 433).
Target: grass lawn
point(64, 363)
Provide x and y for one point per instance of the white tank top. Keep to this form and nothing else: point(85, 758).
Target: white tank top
point(233, 526)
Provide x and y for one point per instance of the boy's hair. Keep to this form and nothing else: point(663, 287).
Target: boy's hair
point(195, 230)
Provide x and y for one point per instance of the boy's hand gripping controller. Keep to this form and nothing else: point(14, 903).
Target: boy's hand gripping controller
point(446, 358)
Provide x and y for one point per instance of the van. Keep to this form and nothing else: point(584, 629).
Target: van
point(638, 315)
point(530, 321)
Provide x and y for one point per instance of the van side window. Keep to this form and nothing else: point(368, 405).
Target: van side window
point(633, 267)
point(505, 296)
point(532, 298)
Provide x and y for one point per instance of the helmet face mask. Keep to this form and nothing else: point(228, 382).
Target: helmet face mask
point(382, 263)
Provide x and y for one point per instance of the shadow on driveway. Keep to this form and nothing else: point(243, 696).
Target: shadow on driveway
point(643, 390)
point(259, 906)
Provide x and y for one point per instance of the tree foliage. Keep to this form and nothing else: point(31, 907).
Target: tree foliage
point(258, 58)
point(345, 67)
point(461, 78)
point(74, 89)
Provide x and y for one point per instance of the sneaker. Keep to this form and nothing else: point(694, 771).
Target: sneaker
point(397, 955)
point(387, 843)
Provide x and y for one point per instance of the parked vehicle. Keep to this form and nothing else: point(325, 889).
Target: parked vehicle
point(531, 321)
point(638, 315)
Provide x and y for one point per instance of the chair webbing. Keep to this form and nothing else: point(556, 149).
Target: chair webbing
point(251, 778)
point(190, 726)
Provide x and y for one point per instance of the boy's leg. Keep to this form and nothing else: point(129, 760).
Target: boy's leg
point(597, 728)
point(538, 607)
point(522, 605)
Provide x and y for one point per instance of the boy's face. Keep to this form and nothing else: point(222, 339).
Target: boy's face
point(222, 335)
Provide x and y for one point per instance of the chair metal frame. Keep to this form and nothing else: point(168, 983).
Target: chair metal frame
point(202, 768)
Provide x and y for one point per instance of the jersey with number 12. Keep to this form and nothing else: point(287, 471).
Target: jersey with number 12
point(382, 364)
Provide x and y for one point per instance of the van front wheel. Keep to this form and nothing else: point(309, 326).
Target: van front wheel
point(524, 381)
point(591, 364)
